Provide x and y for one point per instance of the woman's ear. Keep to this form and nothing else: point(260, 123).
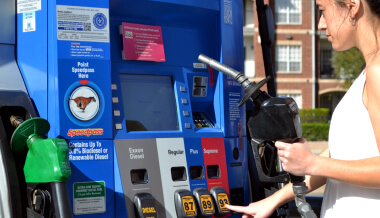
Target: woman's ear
point(354, 6)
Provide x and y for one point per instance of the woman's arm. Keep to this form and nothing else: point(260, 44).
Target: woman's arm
point(266, 207)
point(299, 160)
point(315, 182)
point(363, 173)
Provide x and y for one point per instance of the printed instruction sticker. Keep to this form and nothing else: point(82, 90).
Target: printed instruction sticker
point(89, 197)
point(233, 102)
point(85, 51)
point(228, 12)
point(142, 42)
point(28, 5)
point(29, 21)
point(82, 24)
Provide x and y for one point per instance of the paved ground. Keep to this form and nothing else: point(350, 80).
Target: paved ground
point(317, 148)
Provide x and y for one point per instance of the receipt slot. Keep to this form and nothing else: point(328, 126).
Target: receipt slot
point(204, 201)
point(145, 205)
point(185, 204)
point(221, 199)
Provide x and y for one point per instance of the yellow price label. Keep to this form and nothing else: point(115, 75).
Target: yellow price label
point(189, 206)
point(222, 201)
point(207, 205)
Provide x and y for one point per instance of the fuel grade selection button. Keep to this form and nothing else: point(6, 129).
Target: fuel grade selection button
point(145, 205)
point(204, 200)
point(185, 204)
point(221, 199)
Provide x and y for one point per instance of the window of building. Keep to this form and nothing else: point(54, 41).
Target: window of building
point(249, 58)
point(288, 58)
point(288, 11)
point(326, 68)
point(248, 15)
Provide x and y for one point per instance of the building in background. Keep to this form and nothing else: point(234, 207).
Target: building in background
point(301, 54)
point(248, 33)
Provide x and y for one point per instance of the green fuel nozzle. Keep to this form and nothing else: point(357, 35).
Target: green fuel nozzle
point(46, 159)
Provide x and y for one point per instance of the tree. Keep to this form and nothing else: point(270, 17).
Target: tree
point(347, 65)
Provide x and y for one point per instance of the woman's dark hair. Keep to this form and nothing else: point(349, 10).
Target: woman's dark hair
point(374, 5)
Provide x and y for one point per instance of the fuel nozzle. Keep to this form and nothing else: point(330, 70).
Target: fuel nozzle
point(251, 89)
point(240, 78)
point(274, 119)
point(47, 159)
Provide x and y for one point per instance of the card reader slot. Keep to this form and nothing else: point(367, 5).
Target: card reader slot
point(139, 176)
point(178, 174)
point(200, 84)
point(196, 173)
point(213, 171)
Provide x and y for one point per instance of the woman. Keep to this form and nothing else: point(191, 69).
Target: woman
point(352, 172)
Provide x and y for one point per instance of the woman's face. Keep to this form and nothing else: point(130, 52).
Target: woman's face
point(334, 20)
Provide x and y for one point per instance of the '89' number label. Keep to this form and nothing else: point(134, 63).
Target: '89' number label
point(207, 205)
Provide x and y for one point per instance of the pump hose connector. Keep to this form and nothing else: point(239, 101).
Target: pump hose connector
point(240, 78)
point(16, 120)
point(304, 208)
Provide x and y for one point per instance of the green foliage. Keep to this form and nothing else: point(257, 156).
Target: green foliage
point(315, 126)
point(317, 115)
point(347, 65)
point(315, 131)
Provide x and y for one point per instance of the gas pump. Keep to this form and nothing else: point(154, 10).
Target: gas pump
point(150, 130)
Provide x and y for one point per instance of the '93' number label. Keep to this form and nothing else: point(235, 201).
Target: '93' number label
point(222, 201)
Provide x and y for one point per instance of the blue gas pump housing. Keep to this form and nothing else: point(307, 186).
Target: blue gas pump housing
point(120, 80)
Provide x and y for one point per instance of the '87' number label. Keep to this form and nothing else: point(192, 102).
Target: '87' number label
point(189, 206)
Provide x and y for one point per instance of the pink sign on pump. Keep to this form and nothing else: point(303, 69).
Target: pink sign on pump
point(142, 42)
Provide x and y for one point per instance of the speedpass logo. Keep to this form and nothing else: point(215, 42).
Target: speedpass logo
point(86, 132)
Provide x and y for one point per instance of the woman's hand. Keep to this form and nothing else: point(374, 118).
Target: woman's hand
point(259, 209)
point(296, 157)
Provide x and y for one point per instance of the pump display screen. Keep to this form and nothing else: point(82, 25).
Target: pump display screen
point(149, 102)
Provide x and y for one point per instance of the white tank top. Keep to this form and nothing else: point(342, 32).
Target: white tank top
point(351, 137)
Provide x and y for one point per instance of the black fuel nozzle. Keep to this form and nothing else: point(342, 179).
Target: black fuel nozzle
point(273, 119)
